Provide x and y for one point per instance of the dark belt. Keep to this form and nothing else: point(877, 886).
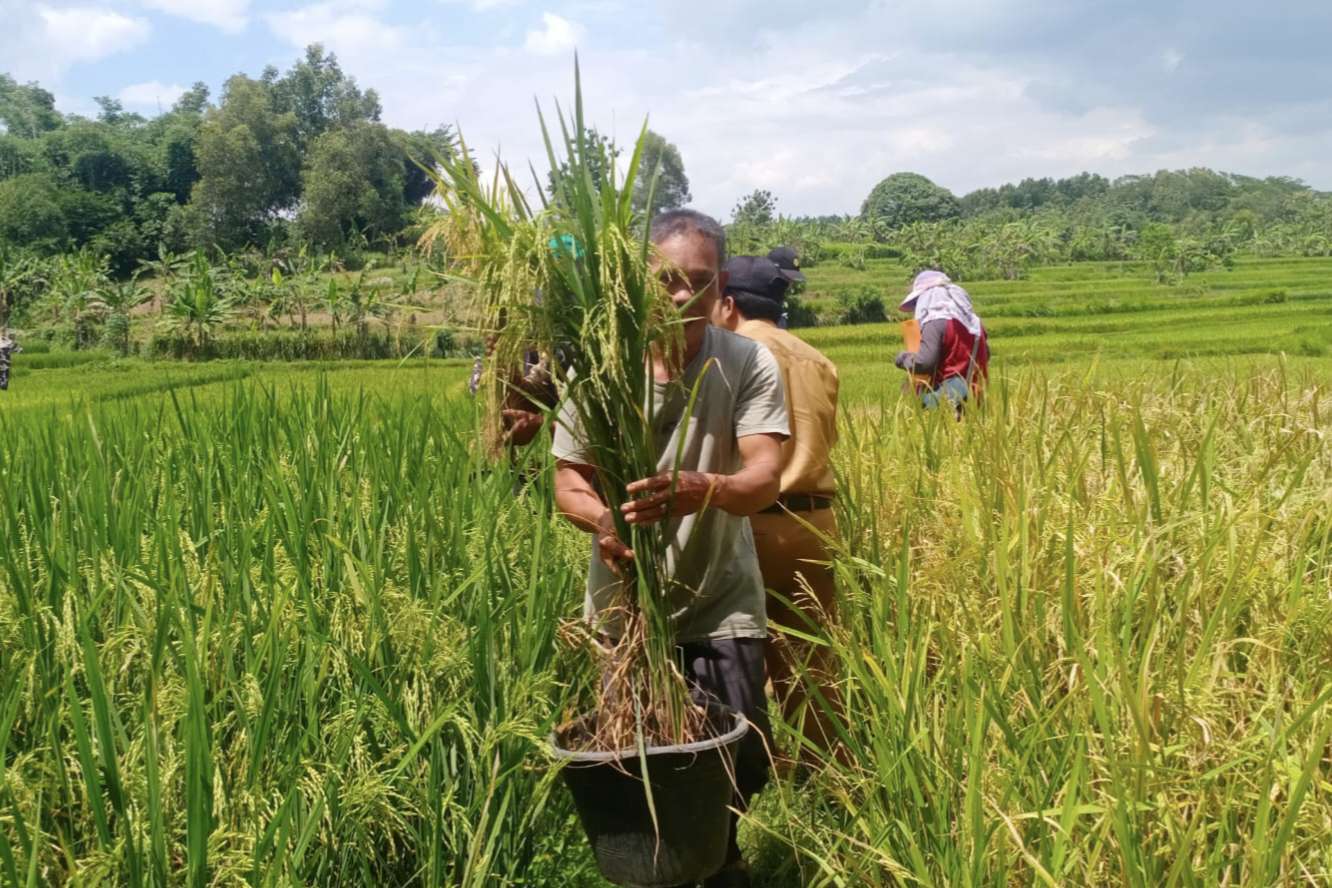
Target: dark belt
point(798, 502)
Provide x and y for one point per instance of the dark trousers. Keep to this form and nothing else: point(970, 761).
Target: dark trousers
point(731, 671)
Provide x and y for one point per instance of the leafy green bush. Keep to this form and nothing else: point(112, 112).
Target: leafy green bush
point(865, 307)
point(882, 251)
point(799, 314)
point(279, 345)
point(854, 259)
point(116, 333)
point(312, 345)
point(837, 251)
point(445, 343)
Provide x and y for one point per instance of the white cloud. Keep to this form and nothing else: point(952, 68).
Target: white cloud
point(1101, 139)
point(40, 42)
point(229, 15)
point(346, 27)
point(557, 35)
point(814, 109)
point(151, 95)
point(815, 101)
point(483, 5)
point(85, 34)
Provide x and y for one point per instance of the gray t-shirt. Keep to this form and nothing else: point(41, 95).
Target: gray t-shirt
point(718, 591)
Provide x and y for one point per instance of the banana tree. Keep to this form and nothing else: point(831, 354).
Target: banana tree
point(198, 307)
point(163, 270)
point(363, 302)
point(76, 293)
point(118, 301)
point(20, 277)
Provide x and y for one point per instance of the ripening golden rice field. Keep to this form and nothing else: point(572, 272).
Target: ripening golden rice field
point(273, 625)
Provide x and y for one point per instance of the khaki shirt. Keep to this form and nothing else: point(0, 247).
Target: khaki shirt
point(811, 405)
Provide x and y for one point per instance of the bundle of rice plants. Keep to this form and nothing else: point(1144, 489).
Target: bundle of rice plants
point(572, 280)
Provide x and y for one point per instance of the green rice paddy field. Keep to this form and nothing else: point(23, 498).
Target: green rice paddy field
point(286, 625)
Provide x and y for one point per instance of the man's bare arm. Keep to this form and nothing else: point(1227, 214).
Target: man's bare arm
point(748, 491)
point(575, 496)
point(578, 501)
point(755, 487)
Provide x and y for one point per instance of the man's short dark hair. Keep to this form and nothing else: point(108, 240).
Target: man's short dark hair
point(673, 223)
point(756, 307)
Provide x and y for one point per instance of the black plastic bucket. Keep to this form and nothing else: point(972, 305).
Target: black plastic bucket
point(692, 787)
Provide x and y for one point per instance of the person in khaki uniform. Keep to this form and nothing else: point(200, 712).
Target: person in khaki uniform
point(792, 557)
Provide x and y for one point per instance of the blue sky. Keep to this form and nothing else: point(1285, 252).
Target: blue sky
point(815, 101)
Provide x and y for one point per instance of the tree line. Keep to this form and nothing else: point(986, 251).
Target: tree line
point(300, 159)
point(1177, 221)
point(1188, 197)
point(294, 156)
point(1193, 198)
point(286, 160)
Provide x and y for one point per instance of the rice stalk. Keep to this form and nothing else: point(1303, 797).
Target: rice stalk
point(572, 280)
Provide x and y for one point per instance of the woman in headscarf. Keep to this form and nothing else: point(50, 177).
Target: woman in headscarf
point(954, 350)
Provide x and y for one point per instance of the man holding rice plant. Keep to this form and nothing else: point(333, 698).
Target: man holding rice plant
point(728, 443)
point(791, 535)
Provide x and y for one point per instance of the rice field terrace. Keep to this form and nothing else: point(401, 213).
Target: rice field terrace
point(287, 624)
point(1107, 313)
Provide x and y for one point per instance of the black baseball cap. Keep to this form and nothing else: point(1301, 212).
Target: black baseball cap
point(757, 276)
point(786, 259)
